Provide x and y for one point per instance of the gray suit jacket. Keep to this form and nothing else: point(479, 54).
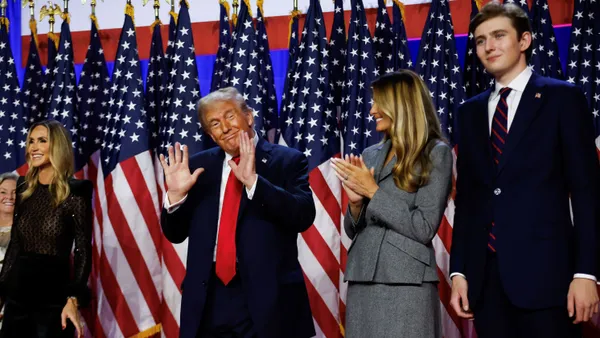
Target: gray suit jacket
point(392, 237)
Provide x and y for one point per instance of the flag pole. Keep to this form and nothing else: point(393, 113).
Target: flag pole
point(295, 5)
point(157, 10)
point(3, 6)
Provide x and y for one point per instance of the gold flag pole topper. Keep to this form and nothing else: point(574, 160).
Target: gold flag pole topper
point(235, 12)
point(32, 22)
point(50, 11)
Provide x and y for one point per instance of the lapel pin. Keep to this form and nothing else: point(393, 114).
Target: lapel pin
point(264, 160)
point(538, 95)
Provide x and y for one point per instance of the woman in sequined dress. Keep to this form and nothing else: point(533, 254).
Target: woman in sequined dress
point(40, 285)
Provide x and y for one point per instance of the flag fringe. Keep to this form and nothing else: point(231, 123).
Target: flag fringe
point(156, 22)
point(95, 21)
point(247, 2)
point(149, 332)
point(52, 36)
point(225, 4)
point(4, 22)
point(174, 16)
point(129, 10)
point(66, 17)
point(401, 6)
point(33, 29)
point(479, 3)
point(295, 13)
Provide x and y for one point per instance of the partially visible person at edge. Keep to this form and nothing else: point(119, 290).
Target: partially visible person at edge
point(397, 191)
point(53, 212)
point(242, 205)
point(8, 187)
point(520, 265)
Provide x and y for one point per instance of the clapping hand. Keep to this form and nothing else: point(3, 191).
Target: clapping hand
point(357, 179)
point(177, 172)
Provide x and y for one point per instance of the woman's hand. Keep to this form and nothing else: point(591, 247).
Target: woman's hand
point(70, 311)
point(355, 176)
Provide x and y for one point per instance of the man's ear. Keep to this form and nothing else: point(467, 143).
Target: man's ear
point(525, 41)
point(250, 118)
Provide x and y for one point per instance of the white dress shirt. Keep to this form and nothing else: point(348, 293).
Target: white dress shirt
point(517, 86)
point(224, 176)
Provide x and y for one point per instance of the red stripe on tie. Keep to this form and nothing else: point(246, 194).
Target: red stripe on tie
point(498, 136)
point(491, 247)
point(497, 149)
point(502, 113)
point(500, 125)
point(504, 101)
point(492, 235)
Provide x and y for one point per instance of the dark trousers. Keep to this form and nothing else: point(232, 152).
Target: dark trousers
point(34, 322)
point(226, 313)
point(496, 317)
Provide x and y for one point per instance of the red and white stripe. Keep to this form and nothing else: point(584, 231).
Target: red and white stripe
point(128, 276)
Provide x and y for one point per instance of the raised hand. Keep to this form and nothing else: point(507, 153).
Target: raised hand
point(245, 171)
point(178, 178)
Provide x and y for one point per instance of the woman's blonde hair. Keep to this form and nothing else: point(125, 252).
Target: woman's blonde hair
point(61, 159)
point(415, 129)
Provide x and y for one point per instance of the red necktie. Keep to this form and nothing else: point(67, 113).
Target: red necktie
point(226, 253)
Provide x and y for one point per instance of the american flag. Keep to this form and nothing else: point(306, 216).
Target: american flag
point(63, 99)
point(129, 289)
point(521, 3)
point(156, 83)
point(179, 123)
point(439, 67)
point(384, 40)
point(403, 60)
point(47, 84)
point(172, 33)
point(584, 50)
point(337, 47)
point(476, 78)
point(221, 67)
point(358, 126)
point(293, 45)
point(310, 127)
point(12, 125)
point(244, 75)
point(93, 93)
point(34, 108)
point(583, 69)
point(545, 60)
point(266, 70)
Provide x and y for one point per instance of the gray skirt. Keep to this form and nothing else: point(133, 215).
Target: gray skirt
point(393, 311)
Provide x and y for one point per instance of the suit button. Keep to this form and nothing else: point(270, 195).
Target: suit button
point(203, 283)
point(497, 191)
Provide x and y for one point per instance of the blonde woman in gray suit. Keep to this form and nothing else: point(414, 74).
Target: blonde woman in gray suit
point(397, 191)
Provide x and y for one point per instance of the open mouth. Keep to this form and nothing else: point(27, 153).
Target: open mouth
point(37, 156)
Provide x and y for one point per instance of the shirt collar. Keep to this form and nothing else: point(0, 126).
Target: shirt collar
point(519, 83)
point(254, 140)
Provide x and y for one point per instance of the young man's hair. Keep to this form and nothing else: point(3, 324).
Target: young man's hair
point(518, 18)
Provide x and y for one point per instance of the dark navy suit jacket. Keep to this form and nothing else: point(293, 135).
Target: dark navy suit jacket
point(267, 230)
point(548, 157)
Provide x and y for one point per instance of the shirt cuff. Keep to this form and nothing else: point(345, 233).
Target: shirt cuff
point(171, 208)
point(457, 274)
point(585, 276)
point(250, 192)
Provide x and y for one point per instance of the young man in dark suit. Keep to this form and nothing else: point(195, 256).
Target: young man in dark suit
point(521, 264)
point(241, 205)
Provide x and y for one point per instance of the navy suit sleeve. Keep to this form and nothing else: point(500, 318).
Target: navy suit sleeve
point(582, 172)
point(176, 225)
point(459, 231)
point(290, 206)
